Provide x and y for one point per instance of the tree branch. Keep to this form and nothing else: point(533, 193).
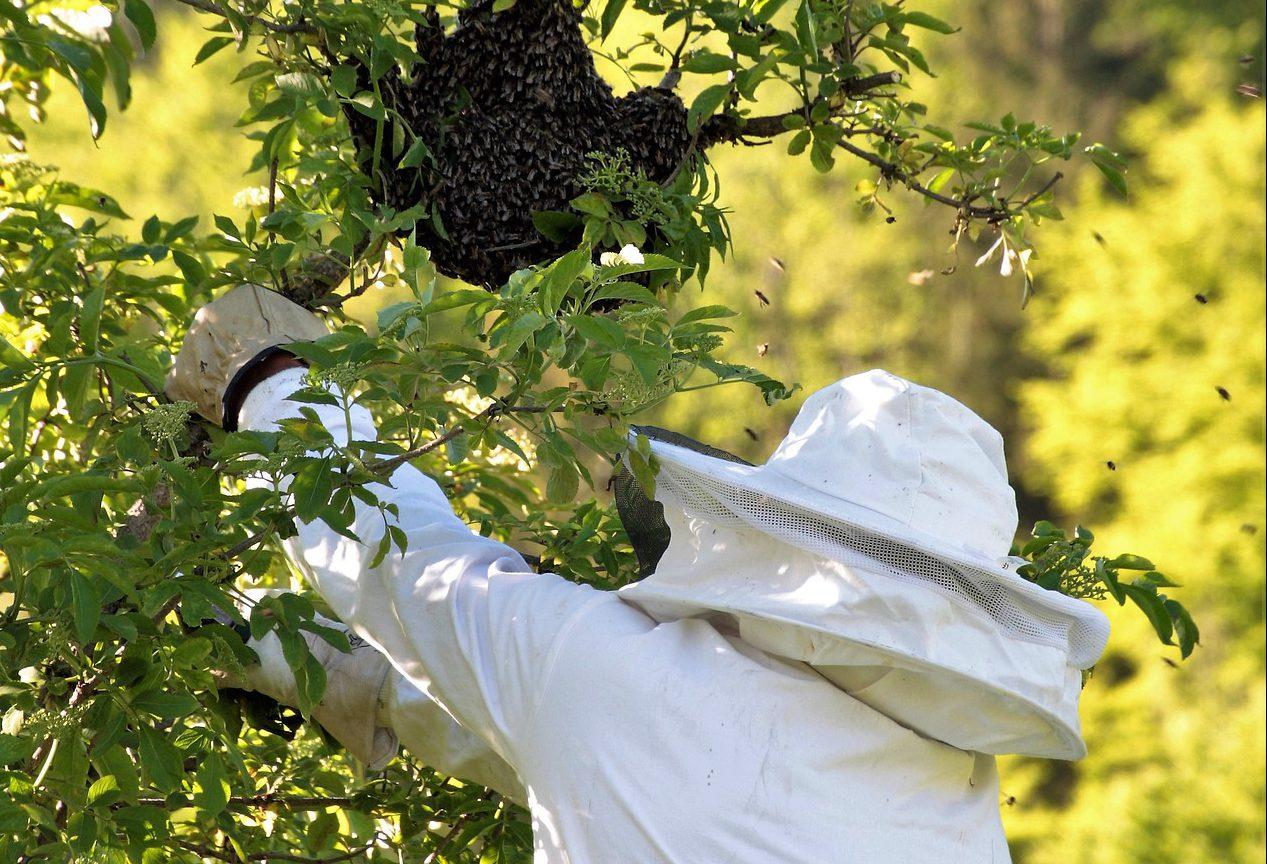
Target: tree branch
point(892, 171)
point(232, 858)
point(212, 8)
point(274, 802)
point(730, 127)
point(442, 847)
point(386, 466)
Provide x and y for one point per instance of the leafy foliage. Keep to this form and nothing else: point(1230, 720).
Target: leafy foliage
point(126, 530)
point(1059, 563)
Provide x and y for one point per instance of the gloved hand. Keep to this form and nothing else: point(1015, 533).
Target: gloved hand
point(355, 694)
point(230, 337)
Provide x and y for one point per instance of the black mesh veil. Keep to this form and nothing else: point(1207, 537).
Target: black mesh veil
point(643, 518)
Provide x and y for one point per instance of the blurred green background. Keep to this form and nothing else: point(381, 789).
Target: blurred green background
point(1116, 360)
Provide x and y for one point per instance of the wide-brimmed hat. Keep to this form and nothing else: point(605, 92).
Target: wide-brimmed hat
point(873, 544)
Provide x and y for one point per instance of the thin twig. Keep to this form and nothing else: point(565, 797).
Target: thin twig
point(893, 171)
point(232, 858)
point(271, 26)
point(1046, 187)
point(386, 466)
point(449, 838)
point(728, 127)
point(272, 186)
point(249, 543)
point(271, 802)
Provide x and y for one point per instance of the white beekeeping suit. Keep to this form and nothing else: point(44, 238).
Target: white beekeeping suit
point(781, 689)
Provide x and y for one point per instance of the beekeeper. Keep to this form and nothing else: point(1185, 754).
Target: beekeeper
point(823, 657)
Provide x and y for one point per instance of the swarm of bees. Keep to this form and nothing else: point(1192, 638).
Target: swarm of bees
point(510, 104)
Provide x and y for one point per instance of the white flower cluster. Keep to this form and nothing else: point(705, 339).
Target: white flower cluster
point(251, 196)
point(1013, 259)
point(629, 254)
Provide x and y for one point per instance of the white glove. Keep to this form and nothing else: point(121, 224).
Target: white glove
point(353, 707)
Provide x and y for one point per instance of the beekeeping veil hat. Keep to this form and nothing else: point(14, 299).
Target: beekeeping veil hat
point(872, 545)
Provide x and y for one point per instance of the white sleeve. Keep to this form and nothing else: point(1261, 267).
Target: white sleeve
point(427, 731)
point(462, 617)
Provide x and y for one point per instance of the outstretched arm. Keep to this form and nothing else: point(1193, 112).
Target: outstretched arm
point(372, 709)
point(461, 617)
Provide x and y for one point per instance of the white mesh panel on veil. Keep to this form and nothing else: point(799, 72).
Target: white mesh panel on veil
point(1014, 604)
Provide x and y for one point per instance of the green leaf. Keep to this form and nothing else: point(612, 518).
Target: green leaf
point(142, 18)
point(73, 484)
point(303, 84)
point(168, 706)
point(1160, 580)
point(1111, 165)
point(14, 749)
point(160, 759)
point(1147, 599)
point(1185, 628)
point(19, 415)
point(214, 790)
point(599, 329)
point(76, 55)
point(555, 225)
point(939, 182)
point(90, 93)
point(90, 317)
point(702, 313)
point(310, 675)
point(104, 791)
point(706, 63)
point(650, 263)
point(706, 104)
point(518, 332)
point(190, 268)
point(798, 142)
point(563, 484)
point(312, 488)
point(366, 103)
point(643, 464)
point(343, 80)
point(1115, 177)
point(85, 597)
point(630, 291)
point(559, 277)
point(928, 22)
point(1130, 562)
point(610, 13)
point(767, 9)
point(211, 47)
point(13, 819)
point(191, 651)
point(86, 199)
point(12, 357)
point(1110, 580)
point(417, 153)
